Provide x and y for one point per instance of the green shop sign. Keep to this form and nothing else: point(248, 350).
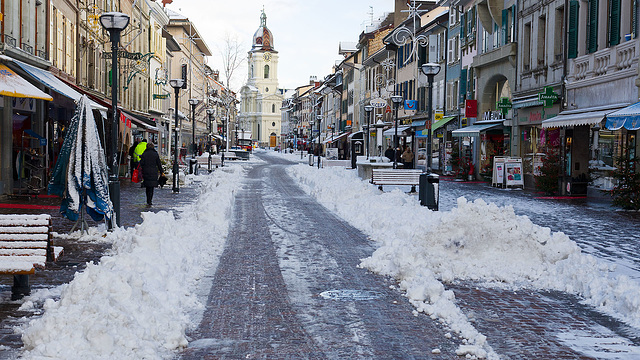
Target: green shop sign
point(124, 55)
point(161, 96)
point(504, 105)
point(548, 97)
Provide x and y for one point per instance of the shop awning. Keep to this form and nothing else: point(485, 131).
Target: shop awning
point(475, 130)
point(52, 82)
point(331, 139)
point(628, 117)
point(357, 135)
point(140, 120)
point(418, 123)
point(589, 116)
point(11, 84)
point(442, 122)
point(392, 131)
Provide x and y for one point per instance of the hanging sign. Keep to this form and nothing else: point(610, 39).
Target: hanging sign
point(123, 55)
point(161, 96)
point(439, 115)
point(410, 104)
point(548, 96)
point(471, 108)
point(378, 103)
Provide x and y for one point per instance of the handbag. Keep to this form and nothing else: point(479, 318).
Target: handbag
point(135, 177)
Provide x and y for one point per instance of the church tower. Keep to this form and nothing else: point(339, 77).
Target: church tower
point(261, 97)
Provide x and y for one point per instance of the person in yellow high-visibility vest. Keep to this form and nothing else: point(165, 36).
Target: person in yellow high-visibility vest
point(142, 146)
point(137, 152)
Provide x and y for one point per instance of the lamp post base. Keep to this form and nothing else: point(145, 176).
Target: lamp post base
point(176, 185)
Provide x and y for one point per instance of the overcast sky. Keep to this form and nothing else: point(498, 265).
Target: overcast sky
point(306, 32)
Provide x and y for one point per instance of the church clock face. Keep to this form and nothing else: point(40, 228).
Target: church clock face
point(267, 56)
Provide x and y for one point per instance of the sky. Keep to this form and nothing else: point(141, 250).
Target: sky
point(306, 32)
point(140, 299)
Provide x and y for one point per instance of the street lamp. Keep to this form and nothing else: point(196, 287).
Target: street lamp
point(319, 118)
point(397, 100)
point(431, 70)
point(114, 23)
point(193, 103)
point(176, 84)
point(209, 140)
point(368, 109)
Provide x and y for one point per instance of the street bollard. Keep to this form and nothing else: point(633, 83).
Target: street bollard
point(429, 191)
point(192, 165)
point(311, 162)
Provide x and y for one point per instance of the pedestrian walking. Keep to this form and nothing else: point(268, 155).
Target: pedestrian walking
point(407, 158)
point(389, 153)
point(133, 163)
point(151, 167)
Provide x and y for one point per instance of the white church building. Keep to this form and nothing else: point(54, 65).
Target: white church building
point(261, 98)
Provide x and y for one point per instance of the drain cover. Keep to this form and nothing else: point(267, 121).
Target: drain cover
point(350, 295)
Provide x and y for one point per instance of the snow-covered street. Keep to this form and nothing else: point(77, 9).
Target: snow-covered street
point(256, 268)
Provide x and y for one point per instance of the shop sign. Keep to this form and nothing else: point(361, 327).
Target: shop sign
point(439, 115)
point(161, 96)
point(471, 108)
point(548, 96)
point(492, 115)
point(378, 103)
point(123, 55)
point(504, 105)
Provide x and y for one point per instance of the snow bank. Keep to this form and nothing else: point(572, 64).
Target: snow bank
point(135, 303)
point(474, 241)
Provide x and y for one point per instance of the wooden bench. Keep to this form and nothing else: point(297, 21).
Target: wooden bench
point(25, 244)
point(382, 177)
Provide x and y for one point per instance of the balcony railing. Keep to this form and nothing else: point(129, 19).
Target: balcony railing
point(604, 62)
point(28, 48)
point(11, 41)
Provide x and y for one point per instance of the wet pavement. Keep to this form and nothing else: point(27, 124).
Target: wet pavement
point(288, 286)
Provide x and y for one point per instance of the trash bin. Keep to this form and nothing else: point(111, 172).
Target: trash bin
point(311, 160)
point(428, 193)
point(193, 166)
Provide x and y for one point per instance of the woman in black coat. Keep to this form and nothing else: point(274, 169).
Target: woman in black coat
point(151, 166)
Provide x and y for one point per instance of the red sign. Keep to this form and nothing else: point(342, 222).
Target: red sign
point(471, 108)
point(388, 110)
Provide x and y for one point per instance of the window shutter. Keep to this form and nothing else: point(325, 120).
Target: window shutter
point(463, 85)
point(433, 48)
point(400, 55)
point(450, 51)
point(614, 23)
point(505, 27)
point(593, 26)
point(449, 86)
point(463, 26)
point(574, 7)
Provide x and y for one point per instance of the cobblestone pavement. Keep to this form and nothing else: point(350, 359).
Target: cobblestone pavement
point(286, 251)
point(288, 287)
point(76, 254)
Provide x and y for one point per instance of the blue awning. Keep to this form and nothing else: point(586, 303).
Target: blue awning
point(628, 117)
point(52, 82)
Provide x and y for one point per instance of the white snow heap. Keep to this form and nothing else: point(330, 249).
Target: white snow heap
point(135, 303)
point(474, 241)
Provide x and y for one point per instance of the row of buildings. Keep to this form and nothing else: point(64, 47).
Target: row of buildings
point(54, 51)
point(518, 78)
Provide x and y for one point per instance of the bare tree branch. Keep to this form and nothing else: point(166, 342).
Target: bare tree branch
point(232, 56)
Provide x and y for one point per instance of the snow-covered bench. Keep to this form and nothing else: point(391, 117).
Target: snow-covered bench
point(382, 177)
point(25, 244)
point(203, 161)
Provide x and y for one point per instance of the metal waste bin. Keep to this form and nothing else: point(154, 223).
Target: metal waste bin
point(193, 163)
point(311, 162)
point(428, 193)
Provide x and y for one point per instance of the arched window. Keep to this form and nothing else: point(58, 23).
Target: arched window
point(266, 71)
point(273, 108)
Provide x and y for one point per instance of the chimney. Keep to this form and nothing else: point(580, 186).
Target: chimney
point(313, 80)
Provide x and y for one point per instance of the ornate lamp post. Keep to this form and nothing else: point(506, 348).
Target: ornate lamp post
point(176, 84)
point(319, 120)
point(210, 113)
point(193, 103)
point(114, 23)
point(368, 109)
point(397, 100)
point(431, 70)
